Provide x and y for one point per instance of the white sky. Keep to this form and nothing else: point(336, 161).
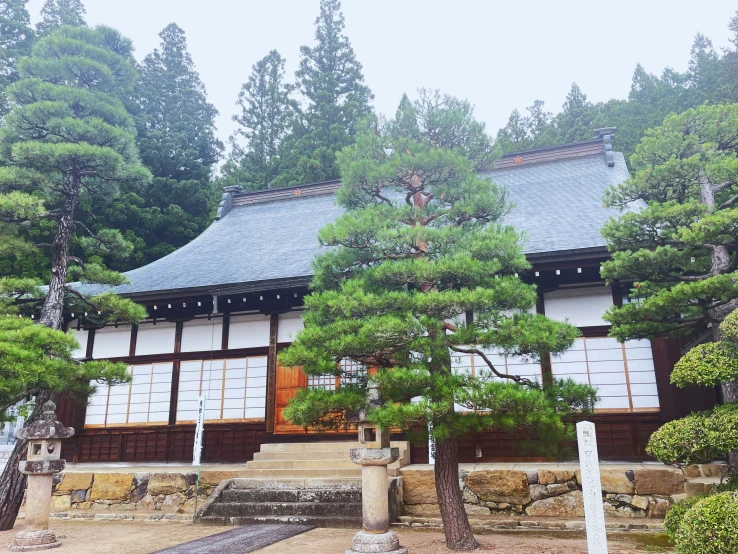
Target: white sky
point(499, 55)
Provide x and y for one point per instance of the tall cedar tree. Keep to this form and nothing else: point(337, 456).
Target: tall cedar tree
point(16, 38)
point(419, 248)
point(57, 13)
point(332, 84)
point(67, 137)
point(679, 249)
point(266, 115)
point(177, 142)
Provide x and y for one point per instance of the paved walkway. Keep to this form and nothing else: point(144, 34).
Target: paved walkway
point(239, 540)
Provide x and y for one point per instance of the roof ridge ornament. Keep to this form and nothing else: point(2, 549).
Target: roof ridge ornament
point(226, 201)
point(606, 133)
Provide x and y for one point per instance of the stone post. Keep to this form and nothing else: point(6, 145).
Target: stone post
point(42, 462)
point(589, 464)
point(375, 536)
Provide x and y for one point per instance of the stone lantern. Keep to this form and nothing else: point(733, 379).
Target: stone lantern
point(374, 455)
point(43, 460)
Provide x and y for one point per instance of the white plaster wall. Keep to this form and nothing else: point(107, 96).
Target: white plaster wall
point(111, 342)
point(201, 334)
point(289, 325)
point(248, 331)
point(81, 337)
point(583, 307)
point(155, 339)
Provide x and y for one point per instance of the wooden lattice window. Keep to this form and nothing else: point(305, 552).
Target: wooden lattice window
point(352, 373)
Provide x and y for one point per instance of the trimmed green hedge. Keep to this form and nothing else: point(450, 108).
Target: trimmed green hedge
point(697, 438)
point(710, 526)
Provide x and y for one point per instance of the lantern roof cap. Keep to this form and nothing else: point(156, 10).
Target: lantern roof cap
point(46, 426)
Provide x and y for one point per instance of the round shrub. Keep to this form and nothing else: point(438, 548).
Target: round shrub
point(675, 515)
point(710, 526)
point(706, 364)
point(697, 438)
point(729, 326)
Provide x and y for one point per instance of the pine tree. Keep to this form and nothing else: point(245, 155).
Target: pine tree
point(67, 137)
point(177, 123)
point(177, 142)
point(526, 132)
point(332, 84)
point(57, 13)
point(421, 271)
point(705, 74)
point(575, 121)
point(16, 37)
point(265, 118)
point(679, 253)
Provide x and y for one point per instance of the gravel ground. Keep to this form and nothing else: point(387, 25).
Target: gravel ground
point(142, 537)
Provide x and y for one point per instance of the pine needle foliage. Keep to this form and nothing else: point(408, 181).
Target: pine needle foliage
point(420, 246)
point(676, 243)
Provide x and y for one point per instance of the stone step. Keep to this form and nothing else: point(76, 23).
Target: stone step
point(307, 455)
point(320, 446)
point(339, 522)
point(290, 495)
point(302, 464)
point(285, 509)
point(327, 483)
point(301, 473)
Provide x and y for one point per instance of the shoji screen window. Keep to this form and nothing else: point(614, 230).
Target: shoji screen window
point(622, 373)
point(143, 401)
point(235, 389)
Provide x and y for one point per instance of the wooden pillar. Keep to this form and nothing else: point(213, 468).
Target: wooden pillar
point(546, 368)
point(271, 392)
point(174, 392)
point(134, 338)
point(90, 343)
point(226, 331)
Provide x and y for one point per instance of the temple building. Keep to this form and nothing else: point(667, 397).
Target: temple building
point(223, 306)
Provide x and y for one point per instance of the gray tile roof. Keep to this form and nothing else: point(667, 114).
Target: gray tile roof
point(558, 204)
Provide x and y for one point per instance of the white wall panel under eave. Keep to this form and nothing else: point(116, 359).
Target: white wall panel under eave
point(81, 336)
point(248, 331)
point(583, 307)
point(289, 325)
point(155, 339)
point(112, 342)
point(202, 335)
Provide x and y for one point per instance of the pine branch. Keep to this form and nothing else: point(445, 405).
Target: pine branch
point(481, 354)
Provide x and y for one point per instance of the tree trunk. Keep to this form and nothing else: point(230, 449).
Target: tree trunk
point(12, 481)
point(51, 313)
point(459, 534)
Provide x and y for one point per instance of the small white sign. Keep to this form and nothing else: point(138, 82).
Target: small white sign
point(197, 450)
point(431, 445)
point(589, 464)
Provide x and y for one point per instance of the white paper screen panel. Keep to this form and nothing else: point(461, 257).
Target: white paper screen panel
point(143, 401)
point(248, 331)
point(235, 389)
point(469, 364)
point(201, 334)
point(583, 307)
point(623, 374)
point(289, 325)
point(112, 342)
point(155, 339)
point(81, 336)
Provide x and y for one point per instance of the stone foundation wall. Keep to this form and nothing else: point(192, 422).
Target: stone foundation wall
point(641, 492)
point(172, 493)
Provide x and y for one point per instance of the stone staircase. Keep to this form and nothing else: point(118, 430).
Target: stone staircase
point(307, 483)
